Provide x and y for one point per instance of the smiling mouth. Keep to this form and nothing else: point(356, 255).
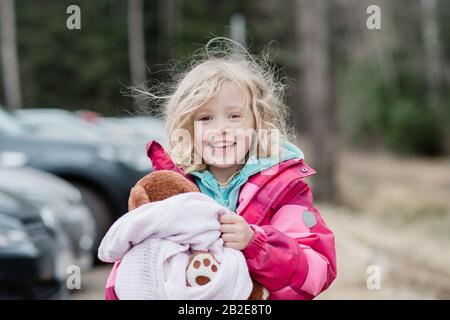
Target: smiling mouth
point(222, 145)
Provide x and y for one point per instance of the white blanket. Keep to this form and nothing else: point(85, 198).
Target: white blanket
point(154, 242)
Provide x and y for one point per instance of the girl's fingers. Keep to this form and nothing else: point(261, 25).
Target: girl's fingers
point(230, 237)
point(227, 228)
point(229, 218)
point(233, 245)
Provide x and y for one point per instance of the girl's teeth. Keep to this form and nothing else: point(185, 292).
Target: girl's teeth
point(223, 145)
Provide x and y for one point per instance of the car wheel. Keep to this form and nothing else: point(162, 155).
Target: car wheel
point(100, 211)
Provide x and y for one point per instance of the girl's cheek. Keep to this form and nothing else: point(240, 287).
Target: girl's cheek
point(200, 131)
point(247, 141)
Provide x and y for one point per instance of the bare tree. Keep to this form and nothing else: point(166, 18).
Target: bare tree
point(10, 60)
point(136, 41)
point(432, 49)
point(167, 16)
point(317, 92)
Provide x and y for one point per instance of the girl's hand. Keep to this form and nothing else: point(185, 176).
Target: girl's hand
point(236, 233)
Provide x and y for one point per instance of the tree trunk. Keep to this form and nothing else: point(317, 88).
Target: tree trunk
point(136, 42)
point(167, 10)
point(317, 92)
point(432, 50)
point(10, 61)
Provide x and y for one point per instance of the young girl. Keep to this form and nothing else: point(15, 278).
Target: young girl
point(227, 131)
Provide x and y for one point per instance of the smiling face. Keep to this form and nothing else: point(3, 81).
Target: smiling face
point(223, 128)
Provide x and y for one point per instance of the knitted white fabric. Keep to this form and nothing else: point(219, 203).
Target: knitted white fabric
point(154, 243)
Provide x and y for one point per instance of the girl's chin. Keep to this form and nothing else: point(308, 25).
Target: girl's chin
point(223, 163)
point(224, 157)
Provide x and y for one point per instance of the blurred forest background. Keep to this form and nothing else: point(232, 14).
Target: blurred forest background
point(372, 107)
point(383, 88)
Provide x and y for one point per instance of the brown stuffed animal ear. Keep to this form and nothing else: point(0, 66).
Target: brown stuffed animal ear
point(137, 198)
point(162, 184)
point(159, 185)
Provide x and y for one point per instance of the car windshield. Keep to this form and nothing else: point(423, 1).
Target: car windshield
point(9, 124)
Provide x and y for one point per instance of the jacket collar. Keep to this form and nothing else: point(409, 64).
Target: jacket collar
point(269, 166)
point(255, 165)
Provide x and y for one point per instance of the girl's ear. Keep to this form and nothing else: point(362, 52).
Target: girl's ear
point(138, 197)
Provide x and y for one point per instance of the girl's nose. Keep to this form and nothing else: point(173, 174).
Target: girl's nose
point(222, 125)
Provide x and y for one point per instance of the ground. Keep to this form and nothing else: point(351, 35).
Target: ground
point(395, 215)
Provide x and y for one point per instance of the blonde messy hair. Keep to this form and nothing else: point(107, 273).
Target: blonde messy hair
point(203, 81)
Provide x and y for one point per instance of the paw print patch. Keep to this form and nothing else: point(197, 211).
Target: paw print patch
point(201, 269)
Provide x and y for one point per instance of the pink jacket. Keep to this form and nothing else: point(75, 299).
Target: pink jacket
point(292, 252)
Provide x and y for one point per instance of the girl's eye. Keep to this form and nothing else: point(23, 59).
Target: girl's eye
point(205, 118)
point(235, 116)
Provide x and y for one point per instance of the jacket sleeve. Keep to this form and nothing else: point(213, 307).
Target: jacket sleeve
point(294, 255)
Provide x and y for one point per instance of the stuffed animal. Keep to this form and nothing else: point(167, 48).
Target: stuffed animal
point(162, 184)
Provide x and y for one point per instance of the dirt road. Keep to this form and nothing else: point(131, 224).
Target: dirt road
point(412, 265)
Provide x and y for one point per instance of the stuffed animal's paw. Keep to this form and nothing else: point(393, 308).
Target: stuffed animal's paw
point(202, 268)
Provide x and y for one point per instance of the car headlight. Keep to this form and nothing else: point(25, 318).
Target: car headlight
point(49, 219)
point(12, 232)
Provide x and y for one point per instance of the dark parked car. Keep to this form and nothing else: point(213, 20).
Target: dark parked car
point(34, 252)
point(103, 172)
point(63, 199)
